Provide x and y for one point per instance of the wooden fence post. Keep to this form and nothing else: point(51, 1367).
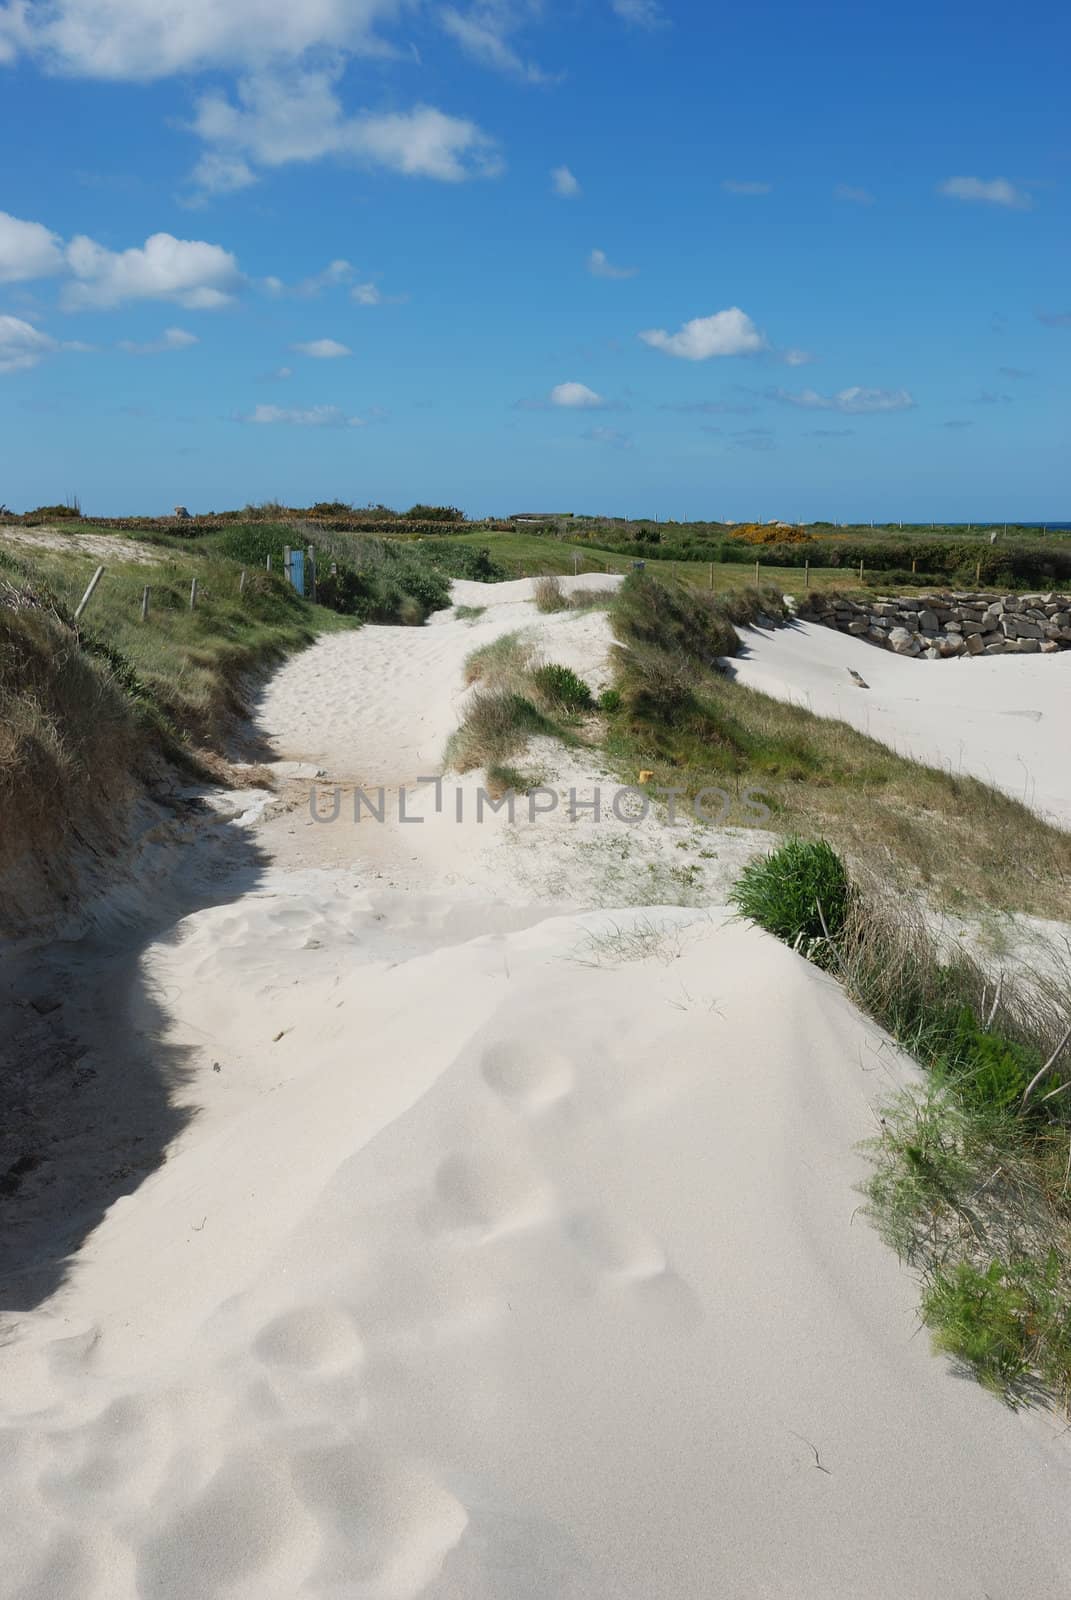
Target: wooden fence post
point(193, 595)
point(286, 564)
point(861, 571)
point(712, 574)
point(269, 561)
point(311, 556)
point(241, 582)
point(756, 572)
point(145, 603)
point(94, 580)
point(806, 574)
point(978, 572)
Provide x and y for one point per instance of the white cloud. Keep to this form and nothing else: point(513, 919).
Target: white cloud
point(482, 33)
point(739, 186)
point(576, 396)
point(148, 39)
point(600, 267)
point(192, 273)
point(313, 417)
point(216, 173)
point(27, 250)
point(990, 191)
point(640, 13)
point(855, 197)
point(297, 116)
point(855, 401)
point(797, 358)
point(170, 339)
point(322, 349)
point(366, 294)
point(21, 345)
point(564, 184)
point(726, 333)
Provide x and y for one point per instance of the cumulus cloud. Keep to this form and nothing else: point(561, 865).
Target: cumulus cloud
point(855, 401)
point(726, 333)
point(322, 349)
point(190, 272)
point(297, 116)
point(576, 396)
point(600, 267)
point(27, 250)
point(989, 191)
point(855, 197)
point(797, 358)
point(564, 184)
point(640, 13)
point(22, 345)
point(312, 417)
point(170, 339)
point(740, 186)
point(146, 40)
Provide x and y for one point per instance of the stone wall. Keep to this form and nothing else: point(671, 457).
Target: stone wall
point(949, 624)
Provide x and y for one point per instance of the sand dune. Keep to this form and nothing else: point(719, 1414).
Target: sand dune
point(1004, 719)
point(513, 1250)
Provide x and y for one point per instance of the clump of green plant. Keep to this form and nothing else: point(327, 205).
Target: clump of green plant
point(610, 701)
point(561, 688)
point(503, 662)
point(549, 595)
point(799, 893)
point(469, 613)
point(498, 724)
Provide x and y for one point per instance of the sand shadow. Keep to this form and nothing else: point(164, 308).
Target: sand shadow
point(88, 1083)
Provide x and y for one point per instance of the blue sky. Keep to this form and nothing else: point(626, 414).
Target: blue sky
point(656, 259)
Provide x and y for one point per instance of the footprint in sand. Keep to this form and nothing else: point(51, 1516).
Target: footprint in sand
point(626, 1259)
point(617, 1249)
point(319, 1339)
point(525, 1076)
point(497, 1191)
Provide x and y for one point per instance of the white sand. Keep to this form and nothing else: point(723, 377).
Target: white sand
point(513, 1254)
point(1004, 719)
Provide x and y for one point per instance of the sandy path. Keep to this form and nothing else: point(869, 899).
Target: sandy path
point(1004, 719)
point(512, 1254)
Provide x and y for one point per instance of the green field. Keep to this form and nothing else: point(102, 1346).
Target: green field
point(534, 555)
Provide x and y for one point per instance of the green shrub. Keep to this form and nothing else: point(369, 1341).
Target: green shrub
point(610, 701)
point(980, 1317)
point(420, 513)
point(561, 688)
point(799, 893)
point(987, 1071)
point(549, 595)
point(672, 617)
